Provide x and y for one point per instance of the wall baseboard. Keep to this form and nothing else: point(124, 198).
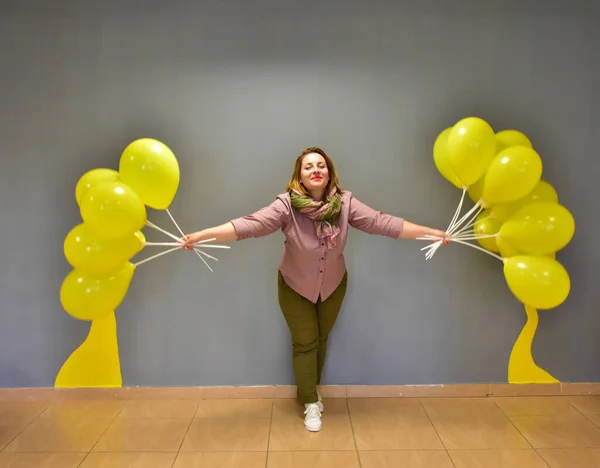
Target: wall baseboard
point(289, 391)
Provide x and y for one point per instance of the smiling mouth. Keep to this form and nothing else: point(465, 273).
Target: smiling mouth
point(316, 178)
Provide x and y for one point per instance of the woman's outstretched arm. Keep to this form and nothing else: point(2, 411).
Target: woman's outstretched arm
point(223, 233)
point(414, 231)
point(259, 224)
point(367, 219)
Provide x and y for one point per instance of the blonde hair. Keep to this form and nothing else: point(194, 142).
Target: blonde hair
point(295, 180)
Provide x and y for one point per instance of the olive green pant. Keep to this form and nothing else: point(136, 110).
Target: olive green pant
point(310, 325)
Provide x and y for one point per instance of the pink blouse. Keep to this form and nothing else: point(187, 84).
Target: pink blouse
point(306, 265)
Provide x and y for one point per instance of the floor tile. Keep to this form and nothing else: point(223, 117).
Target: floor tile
point(586, 404)
point(129, 460)
point(323, 459)
point(468, 407)
point(41, 460)
point(406, 459)
point(221, 460)
point(392, 424)
point(90, 409)
point(411, 431)
point(59, 434)
point(143, 435)
point(571, 458)
point(227, 435)
point(496, 459)
point(595, 418)
point(535, 406)
point(254, 408)
point(15, 416)
point(165, 409)
point(10, 429)
point(288, 432)
point(472, 424)
point(22, 410)
point(558, 431)
point(384, 407)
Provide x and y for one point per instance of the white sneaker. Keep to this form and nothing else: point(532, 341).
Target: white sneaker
point(320, 403)
point(312, 420)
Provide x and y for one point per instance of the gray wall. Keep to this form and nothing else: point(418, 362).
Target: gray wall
point(237, 89)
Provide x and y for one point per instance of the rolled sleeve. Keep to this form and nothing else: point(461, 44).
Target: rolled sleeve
point(366, 219)
point(263, 222)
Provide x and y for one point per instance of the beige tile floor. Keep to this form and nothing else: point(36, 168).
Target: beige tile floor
point(520, 432)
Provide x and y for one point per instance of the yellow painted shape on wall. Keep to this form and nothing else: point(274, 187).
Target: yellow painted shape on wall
point(522, 369)
point(96, 362)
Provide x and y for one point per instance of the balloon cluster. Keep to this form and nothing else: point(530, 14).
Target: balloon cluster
point(113, 209)
point(517, 217)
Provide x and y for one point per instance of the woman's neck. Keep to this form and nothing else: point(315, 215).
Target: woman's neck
point(317, 195)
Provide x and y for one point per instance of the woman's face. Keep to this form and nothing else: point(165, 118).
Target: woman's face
point(314, 174)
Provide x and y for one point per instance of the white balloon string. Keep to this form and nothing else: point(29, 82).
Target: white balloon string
point(476, 209)
point(470, 225)
point(141, 262)
point(175, 223)
point(196, 251)
point(206, 255)
point(475, 237)
point(479, 248)
point(458, 210)
point(166, 233)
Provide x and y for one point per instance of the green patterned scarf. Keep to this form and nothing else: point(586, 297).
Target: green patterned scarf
point(325, 215)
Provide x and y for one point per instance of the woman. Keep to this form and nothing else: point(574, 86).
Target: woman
point(314, 214)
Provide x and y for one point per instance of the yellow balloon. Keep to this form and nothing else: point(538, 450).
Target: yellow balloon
point(512, 174)
point(113, 210)
point(542, 193)
point(506, 249)
point(150, 168)
point(93, 178)
point(87, 296)
point(471, 148)
point(475, 191)
point(485, 225)
point(539, 282)
point(88, 252)
point(507, 138)
point(440, 158)
point(539, 228)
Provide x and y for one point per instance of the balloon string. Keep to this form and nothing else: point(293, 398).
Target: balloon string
point(454, 224)
point(173, 244)
point(462, 238)
point(175, 223)
point(478, 248)
point(206, 255)
point(141, 262)
point(458, 209)
point(198, 252)
point(433, 247)
point(172, 236)
point(470, 225)
point(475, 237)
point(469, 215)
